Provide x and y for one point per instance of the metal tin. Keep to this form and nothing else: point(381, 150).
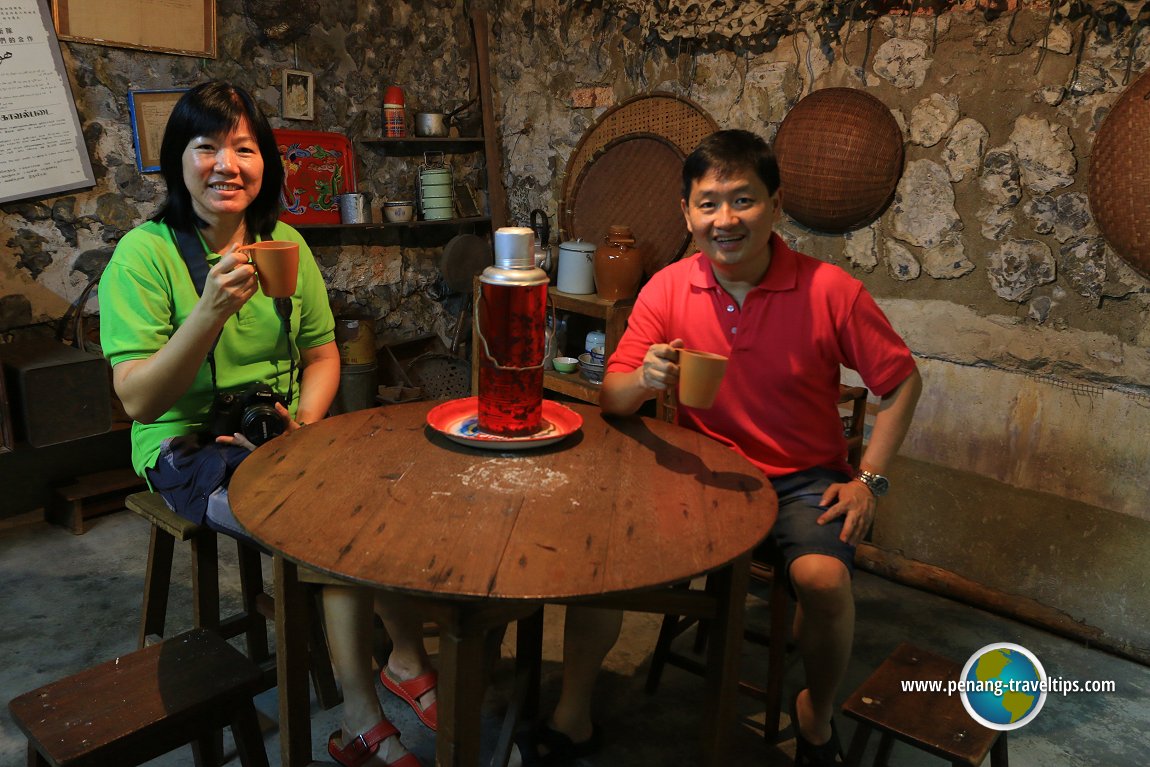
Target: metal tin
point(576, 273)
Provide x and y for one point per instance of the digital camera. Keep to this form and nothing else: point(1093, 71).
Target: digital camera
point(251, 412)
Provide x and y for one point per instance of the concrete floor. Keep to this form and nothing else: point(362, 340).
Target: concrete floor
point(72, 601)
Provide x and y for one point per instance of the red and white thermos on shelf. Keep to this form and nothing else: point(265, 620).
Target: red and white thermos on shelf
point(510, 317)
point(394, 113)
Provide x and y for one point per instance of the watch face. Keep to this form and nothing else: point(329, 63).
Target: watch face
point(879, 485)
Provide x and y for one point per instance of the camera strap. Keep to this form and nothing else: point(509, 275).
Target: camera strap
point(194, 253)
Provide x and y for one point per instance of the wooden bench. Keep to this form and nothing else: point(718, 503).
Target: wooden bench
point(134, 708)
point(81, 499)
point(258, 606)
point(934, 722)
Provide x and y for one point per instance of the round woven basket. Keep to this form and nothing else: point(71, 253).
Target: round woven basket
point(840, 157)
point(1120, 175)
point(641, 129)
point(634, 182)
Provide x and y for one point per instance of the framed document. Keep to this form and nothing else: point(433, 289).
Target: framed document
point(43, 144)
point(298, 95)
point(185, 27)
point(149, 111)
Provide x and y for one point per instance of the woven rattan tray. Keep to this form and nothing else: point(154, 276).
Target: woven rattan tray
point(677, 121)
point(840, 158)
point(635, 182)
point(1120, 175)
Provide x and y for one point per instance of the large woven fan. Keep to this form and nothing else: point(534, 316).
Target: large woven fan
point(1120, 175)
point(840, 157)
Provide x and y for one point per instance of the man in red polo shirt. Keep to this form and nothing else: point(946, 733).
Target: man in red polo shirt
point(788, 323)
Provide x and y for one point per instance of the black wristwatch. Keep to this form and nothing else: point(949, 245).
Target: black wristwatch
point(876, 483)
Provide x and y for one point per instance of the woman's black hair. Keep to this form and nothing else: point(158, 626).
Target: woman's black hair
point(728, 151)
point(215, 108)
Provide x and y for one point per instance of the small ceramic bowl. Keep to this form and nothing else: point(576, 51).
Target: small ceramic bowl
point(565, 364)
point(592, 371)
point(399, 212)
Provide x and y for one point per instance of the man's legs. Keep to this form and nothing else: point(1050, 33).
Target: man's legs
point(824, 631)
point(589, 633)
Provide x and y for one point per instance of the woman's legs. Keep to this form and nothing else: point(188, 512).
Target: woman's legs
point(348, 617)
point(408, 658)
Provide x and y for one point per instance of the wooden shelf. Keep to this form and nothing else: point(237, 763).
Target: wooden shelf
point(406, 146)
point(571, 384)
point(614, 315)
point(400, 225)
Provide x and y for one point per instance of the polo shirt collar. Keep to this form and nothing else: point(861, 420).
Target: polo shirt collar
point(781, 275)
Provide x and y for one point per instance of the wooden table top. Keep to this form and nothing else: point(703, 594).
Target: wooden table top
point(378, 497)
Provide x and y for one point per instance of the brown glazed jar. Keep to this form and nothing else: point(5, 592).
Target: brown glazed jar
point(618, 265)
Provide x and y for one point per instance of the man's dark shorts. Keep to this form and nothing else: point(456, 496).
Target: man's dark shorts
point(796, 531)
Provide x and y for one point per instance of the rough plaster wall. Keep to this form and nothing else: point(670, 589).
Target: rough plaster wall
point(1026, 466)
point(988, 258)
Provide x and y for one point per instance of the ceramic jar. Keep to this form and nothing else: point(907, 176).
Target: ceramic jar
point(618, 265)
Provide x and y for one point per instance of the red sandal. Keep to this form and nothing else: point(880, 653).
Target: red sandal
point(361, 748)
point(412, 690)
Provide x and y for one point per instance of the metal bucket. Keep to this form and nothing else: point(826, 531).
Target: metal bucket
point(355, 337)
point(358, 385)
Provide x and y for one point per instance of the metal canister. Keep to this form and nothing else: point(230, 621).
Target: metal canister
point(510, 317)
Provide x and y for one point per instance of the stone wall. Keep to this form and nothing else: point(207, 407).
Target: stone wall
point(1032, 333)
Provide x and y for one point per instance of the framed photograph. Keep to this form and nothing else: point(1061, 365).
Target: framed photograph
point(149, 111)
point(298, 95)
point(187, 27)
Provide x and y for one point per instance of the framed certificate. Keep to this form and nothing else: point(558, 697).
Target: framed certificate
point(149, 111)
point(185, 27)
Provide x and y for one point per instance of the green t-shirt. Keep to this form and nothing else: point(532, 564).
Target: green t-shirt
point(146, 292)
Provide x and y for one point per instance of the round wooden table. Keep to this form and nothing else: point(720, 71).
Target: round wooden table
point(610, 515)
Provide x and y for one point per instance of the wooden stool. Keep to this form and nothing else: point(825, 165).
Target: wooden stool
point(258, 606)
point(144, 704)
point(934, 722)
point(81, 499)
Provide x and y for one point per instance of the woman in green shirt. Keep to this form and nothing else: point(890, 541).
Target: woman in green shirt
point(185, 327)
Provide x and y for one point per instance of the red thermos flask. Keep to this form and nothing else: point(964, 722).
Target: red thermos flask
point(511, 322)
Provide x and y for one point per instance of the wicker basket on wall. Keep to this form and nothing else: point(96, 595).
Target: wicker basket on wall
point(1120, 176)
point(840, 157)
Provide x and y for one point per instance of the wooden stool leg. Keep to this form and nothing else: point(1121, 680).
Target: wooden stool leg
point(34, 757)
point(249, 740)
point(667, 634)
point(998, 753)
point(858, 745)
point(208, 751)
point(776, 657)
point(205, 580)
point(157, 580)
point(319, 656)
point(885, 744)
point(251, 586)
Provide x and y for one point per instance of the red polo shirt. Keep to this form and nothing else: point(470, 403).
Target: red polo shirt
point(778, 401)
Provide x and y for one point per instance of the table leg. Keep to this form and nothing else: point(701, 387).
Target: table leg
point(724, 647)
point(291, 665)
point(462, 645)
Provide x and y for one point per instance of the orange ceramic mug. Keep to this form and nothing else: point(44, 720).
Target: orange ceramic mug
point(700, 375)
point(277, 266)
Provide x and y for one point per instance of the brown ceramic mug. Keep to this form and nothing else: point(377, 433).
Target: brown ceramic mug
point(700, 375)
point(277, 266)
